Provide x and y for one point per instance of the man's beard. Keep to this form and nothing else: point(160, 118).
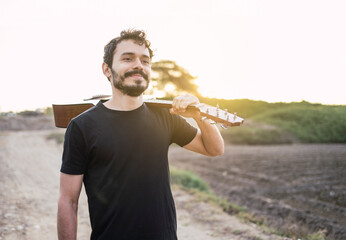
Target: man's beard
point(130, 90)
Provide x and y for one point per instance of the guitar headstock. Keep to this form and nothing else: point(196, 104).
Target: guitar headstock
point(220, 116)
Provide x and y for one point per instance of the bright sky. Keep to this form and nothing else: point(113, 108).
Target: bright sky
point(51, 50)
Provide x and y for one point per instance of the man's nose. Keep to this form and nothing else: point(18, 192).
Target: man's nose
point(138, 64)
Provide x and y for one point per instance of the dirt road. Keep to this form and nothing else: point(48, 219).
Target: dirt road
point(29, 185)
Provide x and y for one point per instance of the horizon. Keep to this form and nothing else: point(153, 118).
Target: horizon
point(43, 108)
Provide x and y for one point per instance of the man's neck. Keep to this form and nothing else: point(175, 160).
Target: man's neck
point(122, 102)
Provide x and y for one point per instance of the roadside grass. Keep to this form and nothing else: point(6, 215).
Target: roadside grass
point(320, 235)
point(193, 184)
point(58, 137)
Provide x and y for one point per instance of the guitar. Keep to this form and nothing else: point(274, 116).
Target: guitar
point(63, 113)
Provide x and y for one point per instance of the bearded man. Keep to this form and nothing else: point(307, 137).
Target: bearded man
point(118, 149)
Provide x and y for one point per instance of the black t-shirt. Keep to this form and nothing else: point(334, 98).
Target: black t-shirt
point(123, 156)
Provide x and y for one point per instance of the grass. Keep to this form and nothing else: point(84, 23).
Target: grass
point(58, 137)
point(192, 183)
point(188, 180)
point(320, 235)
point(306, 122)
point(254, 135)
point(311, 124)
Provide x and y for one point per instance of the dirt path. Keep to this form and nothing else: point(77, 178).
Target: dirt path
point(29, 182)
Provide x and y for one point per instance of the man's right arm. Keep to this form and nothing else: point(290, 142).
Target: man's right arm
point(70, 188)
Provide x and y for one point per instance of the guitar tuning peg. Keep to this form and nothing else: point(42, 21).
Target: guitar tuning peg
point(224, 126)
point(227, 115)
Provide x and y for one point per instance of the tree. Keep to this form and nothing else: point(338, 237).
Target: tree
point(169, 80)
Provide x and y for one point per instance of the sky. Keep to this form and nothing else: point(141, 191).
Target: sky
point(273, 50)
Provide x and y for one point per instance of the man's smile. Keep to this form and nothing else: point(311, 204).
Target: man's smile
point(136, 74)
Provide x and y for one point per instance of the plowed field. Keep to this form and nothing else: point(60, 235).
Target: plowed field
point(296, 188)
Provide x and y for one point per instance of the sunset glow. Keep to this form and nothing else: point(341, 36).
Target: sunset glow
point(262, 50)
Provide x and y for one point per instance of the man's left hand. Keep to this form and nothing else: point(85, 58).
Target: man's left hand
point(180, 104)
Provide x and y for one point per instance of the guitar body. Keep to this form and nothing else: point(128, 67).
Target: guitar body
point(63, 114)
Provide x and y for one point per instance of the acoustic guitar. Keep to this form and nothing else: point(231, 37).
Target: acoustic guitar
point(63, 113)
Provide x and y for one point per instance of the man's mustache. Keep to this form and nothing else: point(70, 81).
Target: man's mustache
point(133, 72)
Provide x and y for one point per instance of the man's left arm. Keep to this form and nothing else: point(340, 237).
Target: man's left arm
point(208, 140)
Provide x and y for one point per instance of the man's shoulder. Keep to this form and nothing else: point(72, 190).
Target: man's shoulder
point(86, 116)
point(160, 112)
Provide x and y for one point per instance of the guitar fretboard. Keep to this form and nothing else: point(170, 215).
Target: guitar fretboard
point(164, 103)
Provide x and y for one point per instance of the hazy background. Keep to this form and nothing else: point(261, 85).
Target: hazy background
point(51, 50)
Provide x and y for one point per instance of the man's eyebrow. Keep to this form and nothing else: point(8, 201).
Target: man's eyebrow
point(131, 53)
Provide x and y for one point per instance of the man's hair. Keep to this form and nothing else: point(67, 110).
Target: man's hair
point(131, 34)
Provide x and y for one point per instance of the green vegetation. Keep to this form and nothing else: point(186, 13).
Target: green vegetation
point(192, 183)
point(288, 122)
point(320, 235)
point(253, 135)
point(58, 137)
point(188, 180)
point(310, 123)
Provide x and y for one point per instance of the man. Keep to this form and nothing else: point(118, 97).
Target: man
point(119, 150)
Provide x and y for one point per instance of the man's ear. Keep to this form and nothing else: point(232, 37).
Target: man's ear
point(106, 70)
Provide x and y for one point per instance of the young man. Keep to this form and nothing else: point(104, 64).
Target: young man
point(119, 150)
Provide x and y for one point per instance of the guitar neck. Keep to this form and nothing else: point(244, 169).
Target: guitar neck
point(165, 104)
point(64, 113)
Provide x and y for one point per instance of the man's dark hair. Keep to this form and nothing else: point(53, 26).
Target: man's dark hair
point(136, 35)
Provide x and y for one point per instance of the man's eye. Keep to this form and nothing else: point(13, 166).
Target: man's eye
point(127, 59)
point(145, 61)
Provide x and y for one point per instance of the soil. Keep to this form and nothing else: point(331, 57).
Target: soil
point(296, 188)
point(29, 189)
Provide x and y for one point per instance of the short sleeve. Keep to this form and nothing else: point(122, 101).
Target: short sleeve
point(183, 133)
point(74, 158)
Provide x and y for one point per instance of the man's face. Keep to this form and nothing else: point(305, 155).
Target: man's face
point(131, 68)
